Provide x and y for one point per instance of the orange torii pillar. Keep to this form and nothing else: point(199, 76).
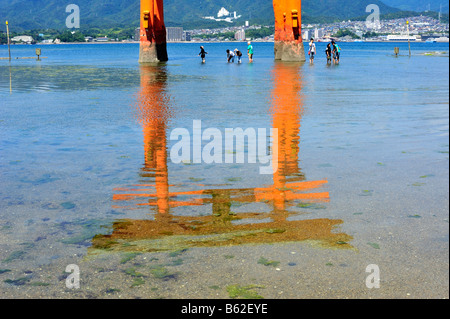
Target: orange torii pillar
point(153, 43)
point(288, 30)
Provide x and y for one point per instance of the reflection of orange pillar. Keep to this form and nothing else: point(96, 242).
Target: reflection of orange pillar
point(156, 160)
point(153, 116)
point(288, 182)
point(153, 45)
point(288, 30)
point(286, 108)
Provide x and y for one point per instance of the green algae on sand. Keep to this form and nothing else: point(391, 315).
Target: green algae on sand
point(14, 256)
point(243, 292)
point(266, 262)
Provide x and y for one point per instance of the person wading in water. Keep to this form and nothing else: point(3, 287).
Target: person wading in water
point(202, 54)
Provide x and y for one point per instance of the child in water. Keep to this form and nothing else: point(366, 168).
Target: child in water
point(328, 52)
point(202, 54)
point(312, 50)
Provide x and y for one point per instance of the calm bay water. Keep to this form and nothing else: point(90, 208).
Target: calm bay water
point(87, 178)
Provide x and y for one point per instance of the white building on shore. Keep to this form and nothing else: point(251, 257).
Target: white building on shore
point(224, 15)
point(23, 38)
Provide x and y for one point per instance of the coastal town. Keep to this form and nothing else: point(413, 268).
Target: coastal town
point(421, 28)
point(416, 29)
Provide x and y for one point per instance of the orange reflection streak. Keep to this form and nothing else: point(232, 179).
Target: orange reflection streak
point(287, 108)
point(187, 232)
point(154, 113)
point(267, 225)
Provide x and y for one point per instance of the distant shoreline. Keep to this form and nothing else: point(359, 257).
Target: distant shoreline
point(134, 42)
point(196, 42)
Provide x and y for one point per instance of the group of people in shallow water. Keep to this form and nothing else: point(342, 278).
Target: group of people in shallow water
point(333, 50)
point(231, 55)
point(234, 54)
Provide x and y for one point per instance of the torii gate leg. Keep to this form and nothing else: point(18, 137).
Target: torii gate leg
point(153, 46)
point(288, 36)
point(288, 30)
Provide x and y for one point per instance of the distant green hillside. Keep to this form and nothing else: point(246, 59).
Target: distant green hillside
point(419, 5)
point(42, 14)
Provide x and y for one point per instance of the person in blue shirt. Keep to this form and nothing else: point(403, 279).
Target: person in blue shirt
point(336, 52)
point(250, 51)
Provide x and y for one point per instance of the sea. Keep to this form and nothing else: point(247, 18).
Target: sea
point(186, 179)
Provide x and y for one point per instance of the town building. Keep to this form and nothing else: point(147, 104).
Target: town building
point(240, 35)
point(186, 36)
point(137, 34)
point(306, 35)
point(318, 33)
point(174, 34)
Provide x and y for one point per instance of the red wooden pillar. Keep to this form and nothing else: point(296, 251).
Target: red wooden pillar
point(288, 30)
point(153, 45)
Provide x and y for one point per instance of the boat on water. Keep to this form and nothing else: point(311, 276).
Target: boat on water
point(403, 38)
point(442, 40)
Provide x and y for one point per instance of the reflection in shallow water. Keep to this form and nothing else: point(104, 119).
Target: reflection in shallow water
point(48, 78)
point(221, 226)
point(10, 78)
point(153, 110)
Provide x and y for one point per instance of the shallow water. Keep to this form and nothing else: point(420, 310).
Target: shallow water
point(87, 176)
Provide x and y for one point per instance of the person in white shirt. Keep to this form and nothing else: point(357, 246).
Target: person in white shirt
point(312, 50)
point(230, 56)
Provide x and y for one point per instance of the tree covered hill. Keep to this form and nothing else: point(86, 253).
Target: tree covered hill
point(44, 14)
point(419, 5)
